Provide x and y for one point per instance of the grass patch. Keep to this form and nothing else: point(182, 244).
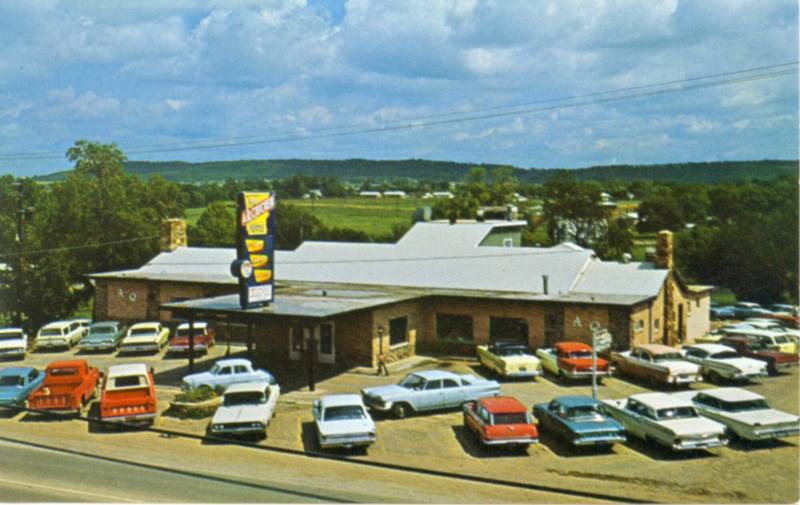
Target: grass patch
point(195, 404)
point(723, 296)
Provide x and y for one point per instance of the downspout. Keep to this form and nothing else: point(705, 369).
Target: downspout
point(650, 322)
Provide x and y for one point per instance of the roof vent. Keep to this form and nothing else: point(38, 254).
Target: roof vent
point(545, 278)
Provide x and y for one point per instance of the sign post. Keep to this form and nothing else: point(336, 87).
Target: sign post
point(600, 338)
point(255, 248)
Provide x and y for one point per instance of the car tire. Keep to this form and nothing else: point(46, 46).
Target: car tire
point(714, 377)
point(400, 410)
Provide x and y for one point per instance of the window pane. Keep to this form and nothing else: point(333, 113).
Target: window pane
point(454, 327)
point(398, 330)
point(508, 329)
point(326, 338)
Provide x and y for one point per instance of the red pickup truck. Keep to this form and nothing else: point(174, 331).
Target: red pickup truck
point(128, 395)
point(67, 386)
point(501, 420)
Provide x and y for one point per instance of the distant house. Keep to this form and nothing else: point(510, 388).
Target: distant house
point(313, 194)
point(442, 194)
point(370, 194)
point(394, 194)
point(520, 198)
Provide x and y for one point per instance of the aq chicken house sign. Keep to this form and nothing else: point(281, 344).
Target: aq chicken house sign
point(255, 248)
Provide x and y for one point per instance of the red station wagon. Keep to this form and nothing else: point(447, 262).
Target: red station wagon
point(501, 420)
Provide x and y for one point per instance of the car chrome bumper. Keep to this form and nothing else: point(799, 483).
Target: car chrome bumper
point(773, 434)
point(131, 419)
point(599, 440)
point(13, 352)
point(185, 348)
point(584, 375)
point(692, 445)
point(238, 430)
point(678, 380)
point(97, 347)
point(511, 441)
point(521, 374)
point(139, 348)
point(372, 403)
point(347, 442)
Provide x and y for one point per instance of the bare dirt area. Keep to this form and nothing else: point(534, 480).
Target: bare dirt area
point(739, 473)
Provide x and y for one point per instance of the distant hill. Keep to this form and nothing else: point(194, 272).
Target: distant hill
point(360, 169)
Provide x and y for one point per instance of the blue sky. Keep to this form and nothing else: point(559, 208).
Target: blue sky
point(191, 72)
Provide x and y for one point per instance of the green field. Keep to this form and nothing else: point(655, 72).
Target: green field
point(373, 216)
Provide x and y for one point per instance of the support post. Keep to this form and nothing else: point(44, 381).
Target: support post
point(311, 357)
point(250, 341)
point(191, 343)
point(594, 364)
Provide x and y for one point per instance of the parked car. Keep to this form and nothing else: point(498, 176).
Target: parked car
point(17, 383)
point(13, 343)
point(501, 420)
point(103, 336)
point(718, 362)
point(428, 390)
point(204, 338)
point(226, 372)
point(509, 359)
point(725, 312)
point(775, 340)
point(668, 421)
point(579, 421)
point(784, 308)
point(67, 387)
point(145, 337)
point(746, 414)
point(343, 421)
point(59, 334)
point(128, 395)
point(656, 364)
point(571, 360)
point(770, 324)
point(743, 310)
point(756, 349)
point(84, 324)
point(246, 409)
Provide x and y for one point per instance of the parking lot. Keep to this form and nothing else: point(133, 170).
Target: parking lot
point(738, 473)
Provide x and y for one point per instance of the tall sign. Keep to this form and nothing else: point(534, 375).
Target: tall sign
point(255, 248)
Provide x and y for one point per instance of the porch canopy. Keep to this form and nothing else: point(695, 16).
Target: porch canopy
point(305, 305)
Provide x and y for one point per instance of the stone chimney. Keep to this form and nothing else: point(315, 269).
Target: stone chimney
point(663, 258)
point(173, 234)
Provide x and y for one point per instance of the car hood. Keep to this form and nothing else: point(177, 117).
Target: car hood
point(386, 391)
point(12, 344)
point(693, 427)
point(589, 425)
point(8, 393)
point(346, 427)
point(743, 364)
point(678, 366)
point(520, 360)
point(762, 417)
point(198, 377)
point(241, 414)
point(141, 339)
point(98, 338)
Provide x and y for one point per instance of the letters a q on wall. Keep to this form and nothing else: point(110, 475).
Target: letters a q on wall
point(255, 248)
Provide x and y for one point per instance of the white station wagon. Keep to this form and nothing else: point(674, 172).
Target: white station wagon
point(59, 334)
point(343, 421)
point(746, 414)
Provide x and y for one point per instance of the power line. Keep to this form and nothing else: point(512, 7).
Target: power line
point(778, 70)
point(77, 247)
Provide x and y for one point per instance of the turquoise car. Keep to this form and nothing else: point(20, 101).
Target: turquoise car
point(578, 420)
point(16, 383)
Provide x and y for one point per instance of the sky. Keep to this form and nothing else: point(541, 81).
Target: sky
point(201, 80)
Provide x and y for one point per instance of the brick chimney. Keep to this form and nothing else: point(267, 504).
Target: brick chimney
point(173, 234)
point(663, 257)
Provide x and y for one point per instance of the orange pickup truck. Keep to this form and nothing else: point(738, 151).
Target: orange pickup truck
point(128, 395)
point(67, 386)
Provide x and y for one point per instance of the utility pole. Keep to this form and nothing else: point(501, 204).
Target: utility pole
point(22, 212)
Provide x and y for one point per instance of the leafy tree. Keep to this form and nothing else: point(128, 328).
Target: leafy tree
point(215, 228)
point(618, 240)
point(660, 211)
point(573, 211)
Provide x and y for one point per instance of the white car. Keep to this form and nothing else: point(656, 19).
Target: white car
point(668, 421)
point(59, 334)
point(13, 342)
point(84, 324)
point(343, 421)
point(246, 409)
point(144, 337)
point(226, 372)
point(718, 362)
point(746, 414)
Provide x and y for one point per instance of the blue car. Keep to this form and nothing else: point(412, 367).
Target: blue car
point(578, 420)
point(17, 383)
point(725, 312)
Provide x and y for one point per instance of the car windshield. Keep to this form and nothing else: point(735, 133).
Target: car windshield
point(184, 332)
point(11, 335)
point(676, 413)
point(62, 372)
point(583, 411)
point(143, 331)
point(580, 354)
point(50, 332)
point(244, 398)
point(101, 330)
point(128, 381)
point(515, 418)
point(746, 405)
point(725, 355)
point(669, 356)
point(11, 380)
point(414, 382)
point(513, 350)
point(344, 412)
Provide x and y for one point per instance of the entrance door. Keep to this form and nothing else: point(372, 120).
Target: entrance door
point(326, 352)
point(296, 342)
point(553, 325)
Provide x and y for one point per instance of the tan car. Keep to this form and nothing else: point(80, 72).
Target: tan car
point(656, 364)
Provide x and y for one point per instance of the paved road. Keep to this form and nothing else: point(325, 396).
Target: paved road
point(34, 474)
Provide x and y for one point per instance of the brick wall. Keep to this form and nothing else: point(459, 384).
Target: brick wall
point(579, 319)
point(381, 317)
point(126, 301)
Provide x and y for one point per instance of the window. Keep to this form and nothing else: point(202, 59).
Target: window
point(638, 325)
point(450, 383)
point(437, 384)
point(454, 327)
point(225, 370)
point(326, 338)
point(657, 325)
point(508, 329)
point(398, 330)
point(240, 369)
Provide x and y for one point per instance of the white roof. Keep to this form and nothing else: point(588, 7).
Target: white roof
point(732, 394)
point(233, 362)
point(146, 325)
point(340, 400)
point(427, 235)
point(246, 387)
point(197, 325)
point(56, 324)
point(660, 400)
point(130, 369)
point(712, 348)
point(607, 278)
point(10, 330)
